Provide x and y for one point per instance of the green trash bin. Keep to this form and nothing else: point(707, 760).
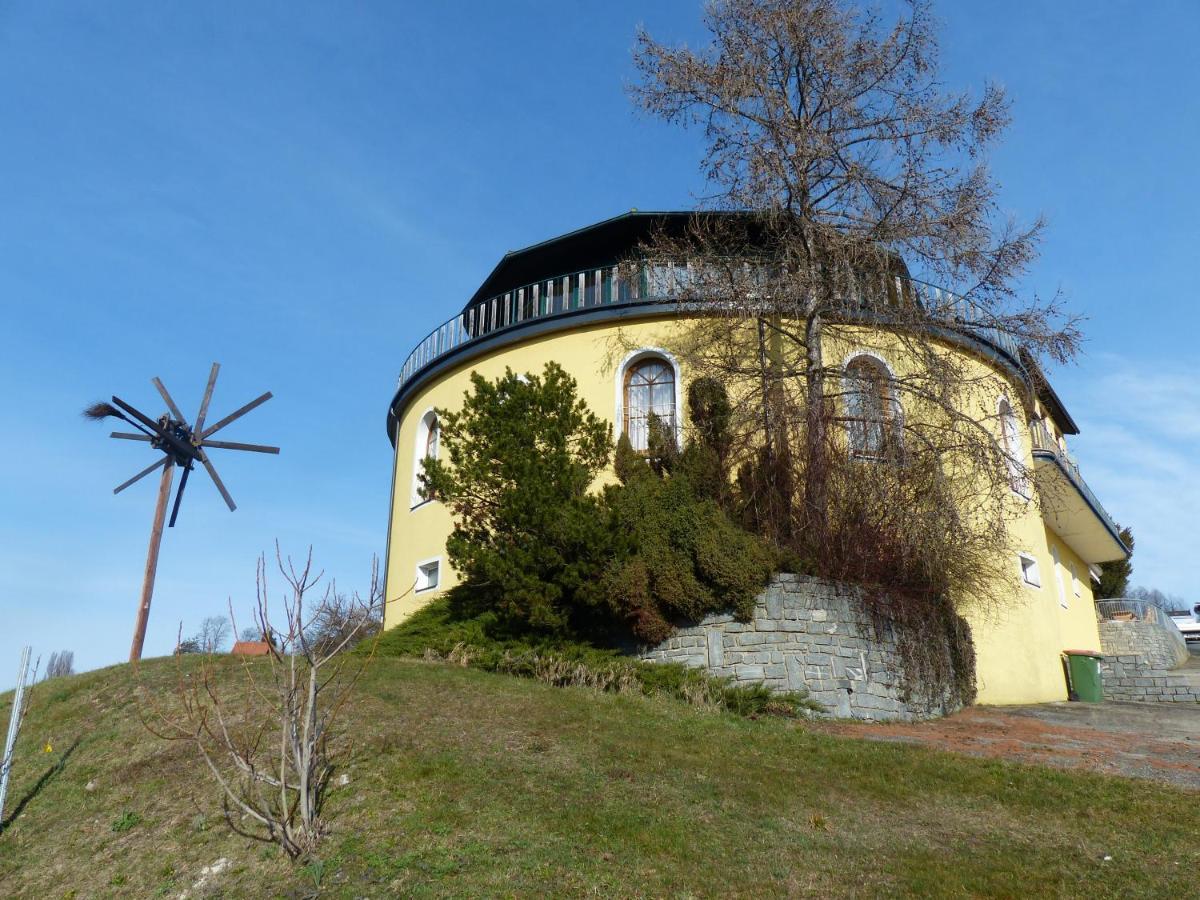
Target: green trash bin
point(1083, 675)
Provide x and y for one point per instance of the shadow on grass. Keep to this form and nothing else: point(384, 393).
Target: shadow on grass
point(49, 775)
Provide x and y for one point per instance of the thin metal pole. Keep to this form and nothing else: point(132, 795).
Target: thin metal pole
point(160, 513)
point(14, 725)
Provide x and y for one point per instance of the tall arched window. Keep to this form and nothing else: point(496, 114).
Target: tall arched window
point(428, 433)
point(1014, 449)
point(431, 439)
point(872, 413)
point(649, 390)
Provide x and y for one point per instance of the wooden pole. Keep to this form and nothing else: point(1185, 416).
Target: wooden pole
point(160, 514)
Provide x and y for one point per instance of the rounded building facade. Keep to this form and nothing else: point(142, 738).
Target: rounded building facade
point(566, 301)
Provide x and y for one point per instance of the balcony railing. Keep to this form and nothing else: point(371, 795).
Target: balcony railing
point(610, 287)
point(1131, 610)
point(1045, 442)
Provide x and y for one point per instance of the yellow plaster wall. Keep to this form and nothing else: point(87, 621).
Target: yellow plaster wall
point(592, 355)
point(1017, 647)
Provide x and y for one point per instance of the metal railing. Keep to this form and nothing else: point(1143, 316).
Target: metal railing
point(1131, 610)
point(608, 286)
point(543, 299)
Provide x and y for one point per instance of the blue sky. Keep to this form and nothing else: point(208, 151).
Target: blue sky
point(301, 190)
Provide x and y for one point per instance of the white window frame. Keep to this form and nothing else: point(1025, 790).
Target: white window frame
point(1018, 472)
point(1029, 571)
point(420, 575)
point(632, 359)
point(1076, 585)
point(897, 422)
point(1056, 561)
point(421, 440)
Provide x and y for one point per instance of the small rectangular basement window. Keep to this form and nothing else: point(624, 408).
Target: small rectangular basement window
point(427, 575)
point(1030, 574)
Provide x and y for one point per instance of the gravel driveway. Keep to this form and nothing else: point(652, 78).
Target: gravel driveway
point(1159, 741)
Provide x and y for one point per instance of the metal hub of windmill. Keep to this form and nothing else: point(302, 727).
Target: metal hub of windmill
point(181, 445)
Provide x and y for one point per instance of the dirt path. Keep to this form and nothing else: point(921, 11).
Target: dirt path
point(1140, 740)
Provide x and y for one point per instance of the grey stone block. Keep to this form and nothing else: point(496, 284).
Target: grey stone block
point(716, 648)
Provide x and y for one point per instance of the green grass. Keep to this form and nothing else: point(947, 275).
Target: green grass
point(468, 783)
point(475, 642)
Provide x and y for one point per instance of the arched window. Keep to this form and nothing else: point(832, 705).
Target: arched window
point(872, 413)
point(431, 439)
point(1014, 449)
point(427, 438)
point(649, 390)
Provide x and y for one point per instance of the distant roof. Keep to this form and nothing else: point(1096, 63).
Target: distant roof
point(250, 648)
point(602, 244)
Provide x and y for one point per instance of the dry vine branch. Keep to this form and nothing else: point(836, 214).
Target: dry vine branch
point(270, 742)
point(845, 176)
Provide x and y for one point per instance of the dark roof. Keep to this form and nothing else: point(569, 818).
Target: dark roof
point(1047, 395)
point(608, 242)
point(602, 244)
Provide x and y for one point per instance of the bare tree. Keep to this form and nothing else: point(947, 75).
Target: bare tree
point(846, 180)
point(214, 632)
point(62, 662)
point(340, 622)
point(268, 738)
point(1172, 603)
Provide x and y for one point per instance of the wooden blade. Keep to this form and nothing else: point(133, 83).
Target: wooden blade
point(137, 414)
point(237, 414)
point(182, 448)
point(230, 445)
point(212, 473)
point(208, 392)
point(162, 389)
point(142, 474)
point(128, 436)
point(179, 496)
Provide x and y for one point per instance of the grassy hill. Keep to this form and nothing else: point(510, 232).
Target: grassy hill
point(465, 783)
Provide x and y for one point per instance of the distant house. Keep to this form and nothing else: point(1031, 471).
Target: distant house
point(250, 648)
point(561, 300)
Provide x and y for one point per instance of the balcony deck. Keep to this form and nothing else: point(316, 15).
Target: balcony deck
point(587, 295)
point(1069, 505)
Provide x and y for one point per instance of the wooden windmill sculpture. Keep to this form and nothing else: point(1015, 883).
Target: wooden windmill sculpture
point(181, 445)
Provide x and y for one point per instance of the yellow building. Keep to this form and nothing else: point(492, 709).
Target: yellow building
point(564, 300)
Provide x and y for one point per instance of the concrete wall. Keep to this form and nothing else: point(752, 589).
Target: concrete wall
point(806, 634)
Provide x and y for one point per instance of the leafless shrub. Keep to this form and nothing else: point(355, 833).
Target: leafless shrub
point(340, 622)
point(268, 737)
point(214, 632)
point(62, 662)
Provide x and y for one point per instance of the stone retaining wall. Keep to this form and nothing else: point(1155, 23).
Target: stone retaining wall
point(806, 634)
point(1158, 648)
point(1130, 677)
